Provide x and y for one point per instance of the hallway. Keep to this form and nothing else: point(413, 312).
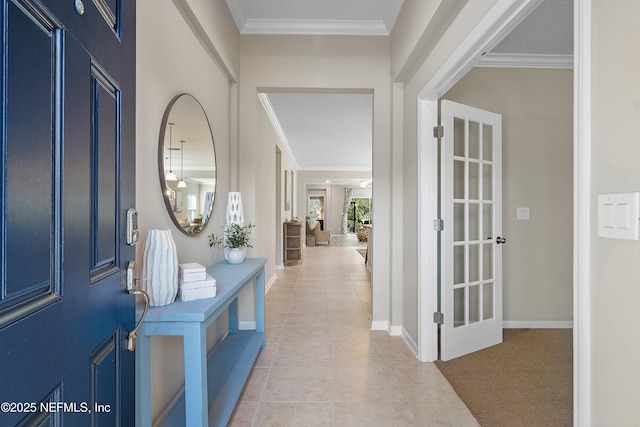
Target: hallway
point(323, 366)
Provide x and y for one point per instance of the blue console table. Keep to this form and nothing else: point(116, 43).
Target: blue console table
point(212, 385)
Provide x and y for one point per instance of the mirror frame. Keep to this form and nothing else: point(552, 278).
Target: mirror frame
point(161, 159)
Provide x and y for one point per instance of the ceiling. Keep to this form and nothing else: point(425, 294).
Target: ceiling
point(342, 17)
point(333, 131)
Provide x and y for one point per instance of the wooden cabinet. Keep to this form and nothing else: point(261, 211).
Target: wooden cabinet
point(292, 243)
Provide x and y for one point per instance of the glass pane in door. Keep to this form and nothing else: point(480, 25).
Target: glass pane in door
point(459, 307)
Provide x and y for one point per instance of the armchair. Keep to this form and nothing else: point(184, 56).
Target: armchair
point(313, 229)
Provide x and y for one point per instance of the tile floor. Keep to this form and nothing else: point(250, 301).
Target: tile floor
point(323, 366)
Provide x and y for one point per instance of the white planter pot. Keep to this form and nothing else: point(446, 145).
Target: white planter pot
point(235, 255)
point(160, 268)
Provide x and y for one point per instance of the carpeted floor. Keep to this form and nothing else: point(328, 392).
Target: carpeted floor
point(525, 381)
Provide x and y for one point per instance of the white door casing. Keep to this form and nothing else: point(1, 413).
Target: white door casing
point(472, 240)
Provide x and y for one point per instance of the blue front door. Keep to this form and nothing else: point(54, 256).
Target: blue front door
point(67, 179)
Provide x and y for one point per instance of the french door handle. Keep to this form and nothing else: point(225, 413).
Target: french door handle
point(501, 240)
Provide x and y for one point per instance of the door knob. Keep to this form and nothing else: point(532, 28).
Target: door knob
point(500, 240)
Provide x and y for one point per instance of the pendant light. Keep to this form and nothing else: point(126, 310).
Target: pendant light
point(181, 183)
point(170, 176)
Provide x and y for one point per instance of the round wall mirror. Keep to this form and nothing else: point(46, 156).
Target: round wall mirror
point(187, 164)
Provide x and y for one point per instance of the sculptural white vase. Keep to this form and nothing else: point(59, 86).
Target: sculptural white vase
point(160, 268)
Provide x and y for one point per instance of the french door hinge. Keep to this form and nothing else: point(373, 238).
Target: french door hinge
point(438, 224)
point(438, 131)
point(438, 318)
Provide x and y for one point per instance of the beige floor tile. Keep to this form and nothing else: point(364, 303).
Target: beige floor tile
point(244, 414)
point(365, 384)
point(309, 305)
point(349, 334)
point(298, 384)
point(307, 319)
point(423, 382)
point(277, 307)
point(280, 293)
point(310, 292)
point(266, 356)
point(273, 334)
point(337, 295)
point(306, 335)
point(255, 385)
point(324, 366)
point(358, 319)
point(287, 414)
point(374, 414)
point(275, 319)
point(356, 354)
point(443, 413)
point(302, 355)
point(347, 306)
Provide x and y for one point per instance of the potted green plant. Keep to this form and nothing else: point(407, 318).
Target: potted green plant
point(235, 241)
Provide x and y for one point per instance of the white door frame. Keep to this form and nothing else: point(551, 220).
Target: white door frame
point(498, 22)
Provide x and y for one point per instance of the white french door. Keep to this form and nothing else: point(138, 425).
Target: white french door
point(471, 240)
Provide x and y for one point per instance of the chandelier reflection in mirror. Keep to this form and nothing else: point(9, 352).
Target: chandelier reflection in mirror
point(189, 200)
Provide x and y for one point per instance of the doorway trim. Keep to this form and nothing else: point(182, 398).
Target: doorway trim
point(494, 26)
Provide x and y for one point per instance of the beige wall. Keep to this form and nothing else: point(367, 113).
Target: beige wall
point(306, 63)
point(537, 156)
point(170, 61)
point(615, 265)
point(274, 178)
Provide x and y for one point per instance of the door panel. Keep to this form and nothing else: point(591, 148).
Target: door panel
point(471, 284)
point(30, 222)
point(67, 179)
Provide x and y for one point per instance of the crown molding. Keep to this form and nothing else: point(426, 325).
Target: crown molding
point(314, 27)
point(266, 103)
point(390, 18)
point(376, 27)
point(509, 60)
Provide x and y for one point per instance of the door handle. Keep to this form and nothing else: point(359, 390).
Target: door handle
point(131, 280)
point(501, 240)
point(131, 339)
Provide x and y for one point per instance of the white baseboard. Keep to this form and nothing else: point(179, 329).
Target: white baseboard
point(537, 324)
point(396, 331)
point(380, 325)
point(411, 343)
point(245, 325)
point(270, 283)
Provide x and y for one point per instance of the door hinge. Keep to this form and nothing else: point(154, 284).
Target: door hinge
point(438, 132)
point(438, 318)
point(438, 224)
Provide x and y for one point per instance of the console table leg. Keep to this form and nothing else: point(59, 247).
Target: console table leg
point(233, 316)
point(260, 304)
point(195, 376)
point(143, 382)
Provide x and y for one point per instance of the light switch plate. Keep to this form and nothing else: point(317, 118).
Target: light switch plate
point(618, 215)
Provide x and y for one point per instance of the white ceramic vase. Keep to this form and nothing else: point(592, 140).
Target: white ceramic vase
point(235, 255)
point(160, 268)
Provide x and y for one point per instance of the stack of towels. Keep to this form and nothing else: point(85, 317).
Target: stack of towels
point(195, 282)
